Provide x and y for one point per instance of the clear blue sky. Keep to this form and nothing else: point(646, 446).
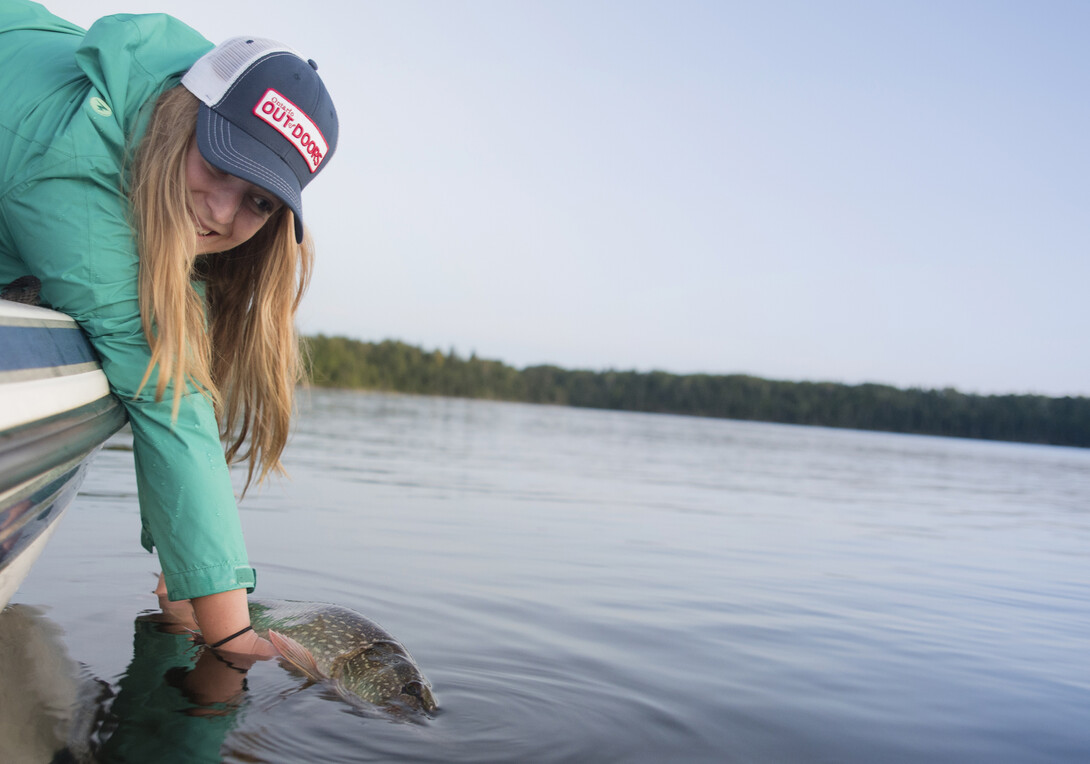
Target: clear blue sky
point(845, 191)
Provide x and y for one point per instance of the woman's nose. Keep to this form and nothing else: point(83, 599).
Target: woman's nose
point(223, 205)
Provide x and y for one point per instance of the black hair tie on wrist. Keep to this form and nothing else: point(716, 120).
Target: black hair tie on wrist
point(238, 633)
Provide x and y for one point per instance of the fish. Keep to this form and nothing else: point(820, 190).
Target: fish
point(338, 647)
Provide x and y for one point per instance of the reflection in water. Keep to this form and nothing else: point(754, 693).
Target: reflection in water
point(39, 692)
point(176, 702)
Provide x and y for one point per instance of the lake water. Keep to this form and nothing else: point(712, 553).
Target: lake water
point(585, 585)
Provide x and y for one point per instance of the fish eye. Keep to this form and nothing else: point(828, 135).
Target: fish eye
point(412, 688)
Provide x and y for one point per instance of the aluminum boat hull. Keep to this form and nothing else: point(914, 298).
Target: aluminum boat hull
point(56, 411)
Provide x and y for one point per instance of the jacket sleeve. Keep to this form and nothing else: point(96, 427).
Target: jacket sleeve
point(70, 230)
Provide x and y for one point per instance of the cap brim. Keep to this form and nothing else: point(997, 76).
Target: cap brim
point(234, 151)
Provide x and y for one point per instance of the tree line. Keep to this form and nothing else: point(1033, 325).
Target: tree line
point(398, 367)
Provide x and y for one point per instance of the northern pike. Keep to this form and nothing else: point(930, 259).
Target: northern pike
point(340, 647)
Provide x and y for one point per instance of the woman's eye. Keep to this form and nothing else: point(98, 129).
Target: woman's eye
point(263, 205)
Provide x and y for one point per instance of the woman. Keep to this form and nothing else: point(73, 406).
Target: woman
point(152, 183)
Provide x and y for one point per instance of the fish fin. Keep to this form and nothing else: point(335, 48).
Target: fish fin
point(297, 655)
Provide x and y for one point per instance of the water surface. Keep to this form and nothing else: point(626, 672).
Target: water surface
point(585, 585)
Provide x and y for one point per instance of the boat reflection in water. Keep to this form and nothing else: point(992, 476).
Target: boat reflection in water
point(46, 701)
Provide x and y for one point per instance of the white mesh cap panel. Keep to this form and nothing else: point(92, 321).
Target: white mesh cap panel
point(215, 72)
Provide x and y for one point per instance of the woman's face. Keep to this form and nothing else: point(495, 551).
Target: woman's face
point(227, 210)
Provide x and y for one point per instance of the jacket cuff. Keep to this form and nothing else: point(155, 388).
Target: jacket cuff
point(214, 579)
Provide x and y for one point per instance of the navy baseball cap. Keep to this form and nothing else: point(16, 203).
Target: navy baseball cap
point(265, 117)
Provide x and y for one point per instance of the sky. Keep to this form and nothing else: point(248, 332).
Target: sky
point(829, 191)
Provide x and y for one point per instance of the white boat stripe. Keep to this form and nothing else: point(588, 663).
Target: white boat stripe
point(30, 400)
point(18, 314)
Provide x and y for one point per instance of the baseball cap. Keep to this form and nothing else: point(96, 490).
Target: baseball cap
point(265, 117)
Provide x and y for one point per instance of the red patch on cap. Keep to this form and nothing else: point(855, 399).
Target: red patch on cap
point(294, 124)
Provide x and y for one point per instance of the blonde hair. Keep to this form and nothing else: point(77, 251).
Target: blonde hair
point(244, 354)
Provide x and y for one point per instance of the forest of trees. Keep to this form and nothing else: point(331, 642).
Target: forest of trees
point(395, 366)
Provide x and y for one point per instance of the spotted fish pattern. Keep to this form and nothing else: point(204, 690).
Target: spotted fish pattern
point(353, 654)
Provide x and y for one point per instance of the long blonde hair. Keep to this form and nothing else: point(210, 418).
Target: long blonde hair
point(244, 353)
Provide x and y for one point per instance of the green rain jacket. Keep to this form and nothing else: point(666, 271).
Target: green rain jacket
point(72, 106)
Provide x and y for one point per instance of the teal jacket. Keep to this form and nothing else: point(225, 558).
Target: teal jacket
point(73, 104)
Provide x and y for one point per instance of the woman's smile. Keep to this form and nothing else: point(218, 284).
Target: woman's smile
point(227, 210)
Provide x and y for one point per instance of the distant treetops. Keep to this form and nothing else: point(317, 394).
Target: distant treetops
point(397, 367)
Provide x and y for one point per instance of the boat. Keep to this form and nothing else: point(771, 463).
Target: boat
point(56, 412)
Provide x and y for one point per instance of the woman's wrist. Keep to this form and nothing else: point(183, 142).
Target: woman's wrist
point(222, 615)
point(224, 620)
point(245, 650)
point(234, 636)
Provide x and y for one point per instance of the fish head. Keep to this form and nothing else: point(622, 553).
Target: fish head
point(417, 695)
point(384, 674)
